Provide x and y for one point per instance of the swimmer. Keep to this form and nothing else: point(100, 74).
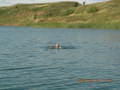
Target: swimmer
point(57, 46)
point(50, 45)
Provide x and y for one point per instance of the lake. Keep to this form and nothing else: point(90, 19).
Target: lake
point(88, 60)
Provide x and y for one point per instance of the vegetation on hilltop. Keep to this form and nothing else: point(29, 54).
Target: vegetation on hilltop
point(104, 15)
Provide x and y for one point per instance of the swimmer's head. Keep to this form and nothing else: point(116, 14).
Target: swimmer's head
point(57, 45)
point(50, 45)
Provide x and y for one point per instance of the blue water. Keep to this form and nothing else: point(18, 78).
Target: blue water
point(27, 63)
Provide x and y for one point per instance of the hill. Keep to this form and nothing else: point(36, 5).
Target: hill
point(104, 15)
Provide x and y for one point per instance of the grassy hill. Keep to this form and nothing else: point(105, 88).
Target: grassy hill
point(104, 15)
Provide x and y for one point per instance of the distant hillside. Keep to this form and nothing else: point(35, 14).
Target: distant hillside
point(104, 15)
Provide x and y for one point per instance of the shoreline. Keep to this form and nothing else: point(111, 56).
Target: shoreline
point(70, 25)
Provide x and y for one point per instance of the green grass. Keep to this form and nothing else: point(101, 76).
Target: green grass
point(104, 15)
point(92, 9)
point(75, 25)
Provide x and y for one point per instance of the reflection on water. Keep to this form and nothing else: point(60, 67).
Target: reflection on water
point(86, 56)
point(62, 47)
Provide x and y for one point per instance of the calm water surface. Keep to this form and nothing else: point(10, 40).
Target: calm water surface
point(27, 63)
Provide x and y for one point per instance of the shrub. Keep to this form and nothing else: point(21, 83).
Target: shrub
point(61, 8)
point(92, 9)
point(52, 12)
point(80, 9)
point(63, 5)
point(66, 12)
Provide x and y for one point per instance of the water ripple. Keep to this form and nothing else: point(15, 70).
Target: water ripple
point(8, 69)
point(27, 62)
